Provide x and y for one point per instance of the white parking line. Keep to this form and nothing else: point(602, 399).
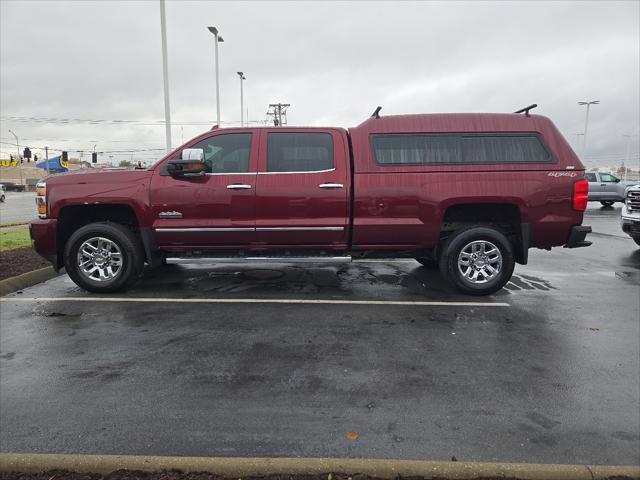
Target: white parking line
point(252, 300)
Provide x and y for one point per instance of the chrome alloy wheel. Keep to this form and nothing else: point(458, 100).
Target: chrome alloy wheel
point(99, 259)
point(480, 261)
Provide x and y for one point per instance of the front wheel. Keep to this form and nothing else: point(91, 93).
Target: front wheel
point(637, 240)
point(103, 257)
point(607, 203)
point(477, 260)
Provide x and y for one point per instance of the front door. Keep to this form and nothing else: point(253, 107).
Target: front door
point(302, 195)
point(213, 210)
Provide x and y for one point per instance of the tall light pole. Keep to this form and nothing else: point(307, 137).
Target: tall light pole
point(586, 124)
point(242, 79)
point(19, 161)
point(217, 39)
point(578, 135)
point(165, 75)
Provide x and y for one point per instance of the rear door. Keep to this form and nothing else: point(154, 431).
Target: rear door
point(302, 194)
point(213, 210)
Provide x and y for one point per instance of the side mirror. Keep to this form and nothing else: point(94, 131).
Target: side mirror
point(190, 164)
point(617, 180)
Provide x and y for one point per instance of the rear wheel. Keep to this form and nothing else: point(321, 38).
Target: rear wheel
point(607, 203)
point(103, 257)
point(637, 240)
point(477, 260)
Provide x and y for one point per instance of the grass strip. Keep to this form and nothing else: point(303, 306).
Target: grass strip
point(14, 238)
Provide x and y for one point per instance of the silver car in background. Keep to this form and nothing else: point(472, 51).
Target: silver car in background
point(606, 188)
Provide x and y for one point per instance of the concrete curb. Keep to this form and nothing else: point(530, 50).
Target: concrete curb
point(237, 467)
point(12, 284)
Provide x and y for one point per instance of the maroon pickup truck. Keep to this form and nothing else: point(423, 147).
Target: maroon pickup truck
point(468, 193)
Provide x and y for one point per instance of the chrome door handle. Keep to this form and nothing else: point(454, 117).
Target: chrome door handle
point(331, 185)
point(238, 186)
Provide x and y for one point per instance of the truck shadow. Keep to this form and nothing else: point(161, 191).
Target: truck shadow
point(397, 280)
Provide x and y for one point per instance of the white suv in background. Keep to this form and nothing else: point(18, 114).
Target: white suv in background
point(631, 213)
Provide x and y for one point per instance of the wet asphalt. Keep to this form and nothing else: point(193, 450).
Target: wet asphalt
point(554, 377)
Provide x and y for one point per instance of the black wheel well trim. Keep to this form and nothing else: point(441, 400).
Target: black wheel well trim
point(85, 214)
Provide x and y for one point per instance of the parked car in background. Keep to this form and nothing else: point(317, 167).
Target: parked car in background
point(13, 187)
point(606, 188)
point(631, 213)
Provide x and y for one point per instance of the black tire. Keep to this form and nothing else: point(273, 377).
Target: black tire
point(2, 198)
point(637, 240)
point(450, 251)
point(428, 262)
point(607, 203)
point(124, 239)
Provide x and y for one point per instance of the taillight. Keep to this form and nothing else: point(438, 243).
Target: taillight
point(580, 195)
point(41, 199)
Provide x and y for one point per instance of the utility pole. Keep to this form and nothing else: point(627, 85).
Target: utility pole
point(217, 39)
point(242, 79)
point(586, 124)
point(46, 159)
point(165, 74)
point(279, 113)
point(19, 160)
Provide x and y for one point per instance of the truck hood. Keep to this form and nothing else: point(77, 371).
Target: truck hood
point(103, 176)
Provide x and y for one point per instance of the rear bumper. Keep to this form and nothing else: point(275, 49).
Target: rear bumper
point(43, 239)
point(577, 237)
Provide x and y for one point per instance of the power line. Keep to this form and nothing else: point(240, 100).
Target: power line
point(65, 121)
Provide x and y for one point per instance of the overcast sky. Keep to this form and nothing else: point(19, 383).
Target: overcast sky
point(333, 61)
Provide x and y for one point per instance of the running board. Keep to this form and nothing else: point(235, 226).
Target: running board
point(214, 260)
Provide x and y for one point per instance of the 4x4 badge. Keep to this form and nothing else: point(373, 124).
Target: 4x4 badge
point(172, 214)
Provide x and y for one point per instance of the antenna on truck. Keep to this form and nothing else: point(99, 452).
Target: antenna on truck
point(376, 113)
point(525, 110)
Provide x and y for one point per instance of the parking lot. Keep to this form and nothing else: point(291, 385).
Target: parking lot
point(368, 359)
point(17, 207)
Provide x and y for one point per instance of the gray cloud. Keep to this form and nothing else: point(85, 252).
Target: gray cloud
point(333, 61)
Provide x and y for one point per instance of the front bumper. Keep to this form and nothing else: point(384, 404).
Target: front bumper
point(577, 237)
point(631, 225)
point(43, 239)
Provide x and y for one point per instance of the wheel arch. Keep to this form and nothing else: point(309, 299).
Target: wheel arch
point(507, 217)
point(73, 217)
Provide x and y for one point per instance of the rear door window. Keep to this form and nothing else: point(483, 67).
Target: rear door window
point(299, 152)
point(591, 177)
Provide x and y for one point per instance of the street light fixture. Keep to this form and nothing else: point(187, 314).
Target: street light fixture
point(19, 161)
point(217, 39)
point(242, 79)
point(586, 124)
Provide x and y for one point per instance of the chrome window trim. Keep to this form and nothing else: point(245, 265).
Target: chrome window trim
point(298, 171)
point(235, 173)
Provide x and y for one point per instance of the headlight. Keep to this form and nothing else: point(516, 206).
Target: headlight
point(41, 199)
